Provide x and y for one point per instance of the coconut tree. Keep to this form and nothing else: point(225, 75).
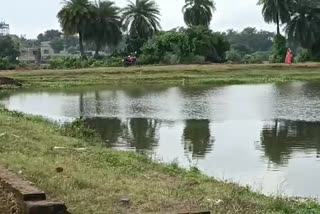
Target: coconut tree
point(141, 19)
point(74, 18)
point(105, 25)
point(198, 12)
point(276, 11)
point(304, 26)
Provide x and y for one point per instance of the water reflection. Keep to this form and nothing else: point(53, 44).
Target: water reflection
point(136, 133)
point(251, 134)
point(197, 138)
point(281, 139)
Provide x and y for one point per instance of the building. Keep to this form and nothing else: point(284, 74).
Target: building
point(46, 51)
point(4, 29)
point(30, 55)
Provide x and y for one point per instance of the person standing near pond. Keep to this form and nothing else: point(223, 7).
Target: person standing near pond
point(289, 57)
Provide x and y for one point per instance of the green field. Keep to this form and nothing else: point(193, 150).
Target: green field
point(172, 75)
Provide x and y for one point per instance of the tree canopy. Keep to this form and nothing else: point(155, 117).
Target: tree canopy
point(105, 25)
point(74, 17)
point(142, 19)
point(198, 12)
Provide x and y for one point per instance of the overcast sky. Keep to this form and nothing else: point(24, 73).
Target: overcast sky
point(31, 17)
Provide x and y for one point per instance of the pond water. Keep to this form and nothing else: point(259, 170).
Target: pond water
point(266, 136)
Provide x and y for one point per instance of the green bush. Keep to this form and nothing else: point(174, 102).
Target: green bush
point(279, 50)
point(84, 62)
point(303, 56)
point(255, 58)
point(171, 58)
point(234, 56)
point(194, 45)
point(5, 64)
point(79, 129)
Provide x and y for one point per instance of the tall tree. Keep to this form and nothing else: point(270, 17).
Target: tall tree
point(9, 49)
point(105, 28)
point(141, 19)
point(198, 12)
point(275, 11)
point(304, 26)
point(49, 35)
point(74, 18)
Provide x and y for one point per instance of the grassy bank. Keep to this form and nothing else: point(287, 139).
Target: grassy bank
point(176, 75)
point(95, 180)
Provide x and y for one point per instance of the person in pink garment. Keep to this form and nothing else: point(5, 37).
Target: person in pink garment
point(289, 57)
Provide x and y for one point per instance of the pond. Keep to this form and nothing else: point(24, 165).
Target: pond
point(265, 136)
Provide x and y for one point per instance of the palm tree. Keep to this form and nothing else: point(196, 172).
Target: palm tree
point(141, 19)
point(304, 25)
point(74, 18)
point(198, 12)
point(275, 11)
point(105, 26)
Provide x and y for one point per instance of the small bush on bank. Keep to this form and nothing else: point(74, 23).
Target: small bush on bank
point(79, 129)
point(74, 62)
point(234, 56)
point(303, 56)
point(6, 65)
point(256, 58)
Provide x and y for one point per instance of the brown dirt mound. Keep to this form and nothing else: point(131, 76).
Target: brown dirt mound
point(6, 81)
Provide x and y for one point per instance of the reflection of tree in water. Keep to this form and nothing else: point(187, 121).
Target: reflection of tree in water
point(284, 137)
point(110, 129)
point(197, 138)
point(143, 133)
point(140, 134)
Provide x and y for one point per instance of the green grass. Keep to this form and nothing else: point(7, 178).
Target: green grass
point(173, 75)
point(93, 181)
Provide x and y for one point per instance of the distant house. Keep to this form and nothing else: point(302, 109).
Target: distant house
point(46, 51)
point(30, 55)
point(40, 54)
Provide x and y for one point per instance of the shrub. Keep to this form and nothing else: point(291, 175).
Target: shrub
point(279, 50)
point(171, 58)
point(255, 58)
point(196, 44)
point(79, 129)
point(5, 64)
point(84, 62)
point(303, 56)
point(234, 56)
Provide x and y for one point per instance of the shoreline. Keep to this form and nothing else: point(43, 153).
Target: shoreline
point(95, 180)
point(183, 75)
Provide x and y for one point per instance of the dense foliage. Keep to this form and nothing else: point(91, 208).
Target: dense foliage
point(249, 45)
point(9, 51)
point(279, 49)
point(196, 44)
point(301, 19)
point(74, 62)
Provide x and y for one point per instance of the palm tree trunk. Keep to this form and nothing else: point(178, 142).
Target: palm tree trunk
point(96, 54)
point(278, 25)
point(81, 44)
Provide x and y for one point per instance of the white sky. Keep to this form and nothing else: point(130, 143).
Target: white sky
point(31, 17)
